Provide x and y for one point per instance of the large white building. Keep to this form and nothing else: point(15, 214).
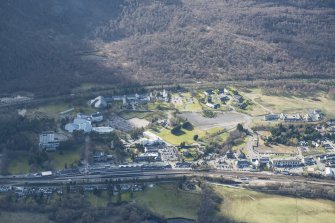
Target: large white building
point(79, 124)
point(98, 102)
point(150, 139)
point(103, 130)
point(48, 141)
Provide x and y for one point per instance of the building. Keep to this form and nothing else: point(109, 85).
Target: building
point(271, 117)
point(79, 124)
point(329, 172)
point(100, 157)
point(241, 105)
point(148, 157)
point(286, 162)
point(214, 106)
point(291, 117)
point(242, 164)
point(209, 92)
point(97, 117)
point(313, 116)
point(327, 145)
point(98, 102)
point(46, 174)
point(150, 139)
point(224, 98)
point(221, 91)
point(264, 161)
point(309, 161)
point(103, 130)
point(238, 98)
point(48, 141)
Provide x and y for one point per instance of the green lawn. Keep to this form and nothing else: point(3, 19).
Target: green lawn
point(129, 114)
point(292, 104)
point(19, 166)
point(255, 207)
point(187, 137)
point(167, 201)
point(67, 157)
point(240, 146)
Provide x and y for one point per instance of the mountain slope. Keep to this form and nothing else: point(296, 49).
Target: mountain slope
point(58, 45)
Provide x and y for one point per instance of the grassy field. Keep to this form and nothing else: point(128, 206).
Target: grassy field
point(286, 104)
point(241, 146)
point(273, 148)
point(129, 114)
point(187, 137)
point(53, 110)
point(67, 157)
point(255, 207)
point(19, 166)
point(167, 201)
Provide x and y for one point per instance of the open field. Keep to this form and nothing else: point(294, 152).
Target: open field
point(19, 166)
point(314, 151)
point(285, 104)
point(53, 110)
point(138, 123)
point(133, 114)
point(242, 145)
point(280, 149)
point(255, 207)
point(167, 201)
point(59, 159)
point(225, 120)
point(187, 137)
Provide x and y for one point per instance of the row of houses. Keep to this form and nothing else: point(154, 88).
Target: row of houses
point(266, 161)
point(130, 99)
point(312, 116)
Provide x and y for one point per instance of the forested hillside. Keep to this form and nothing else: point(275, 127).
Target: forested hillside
point(52, 46)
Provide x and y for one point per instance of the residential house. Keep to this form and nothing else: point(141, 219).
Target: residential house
point(238, 98)
point(330, 172)
point(224, 98)
point(214, 106)
point(271, 117)
point(209, 92)
point(241, 164)
point(286, 162)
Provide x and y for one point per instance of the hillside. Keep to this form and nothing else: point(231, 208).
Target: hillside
point(50, 47)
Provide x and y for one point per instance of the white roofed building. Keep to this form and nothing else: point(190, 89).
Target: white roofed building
point(103, 130)
point(79, 125)
point(48, 141)
point(98, 102)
